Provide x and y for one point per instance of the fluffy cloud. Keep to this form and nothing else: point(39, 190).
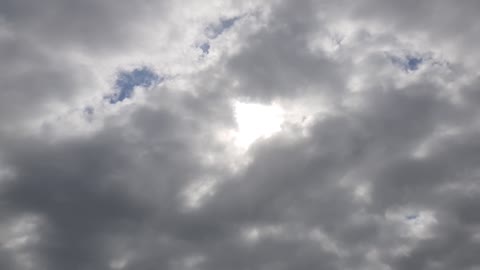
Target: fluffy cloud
point(119, 124)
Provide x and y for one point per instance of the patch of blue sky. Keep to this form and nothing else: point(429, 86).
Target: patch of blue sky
point(127, 81)
point(88, 113)
point(413, 62)
point(411, 217)
point(205, 47)
point(408, 62)
point(215, 30)
point(89, 110)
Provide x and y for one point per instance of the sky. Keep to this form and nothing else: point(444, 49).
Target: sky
point(240, 135)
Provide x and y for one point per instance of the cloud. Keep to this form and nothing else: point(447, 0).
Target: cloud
point(372, 166)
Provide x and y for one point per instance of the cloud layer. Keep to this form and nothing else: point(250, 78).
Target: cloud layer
point(118, 125)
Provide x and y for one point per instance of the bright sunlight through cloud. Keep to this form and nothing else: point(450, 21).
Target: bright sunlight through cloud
point(256, 121)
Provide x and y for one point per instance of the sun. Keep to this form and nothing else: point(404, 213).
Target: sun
point(255, 121)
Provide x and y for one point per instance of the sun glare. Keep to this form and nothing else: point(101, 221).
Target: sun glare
point(255, 121)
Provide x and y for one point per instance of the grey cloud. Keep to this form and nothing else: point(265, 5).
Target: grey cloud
point(71, 185)
point(32, 78)
point(86, 25)
point(442, 22)
point(389, 181)
point(119, 187)
point(276, 61)
point(47, 50)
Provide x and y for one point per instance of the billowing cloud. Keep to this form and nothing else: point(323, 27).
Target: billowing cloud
point(226, 135)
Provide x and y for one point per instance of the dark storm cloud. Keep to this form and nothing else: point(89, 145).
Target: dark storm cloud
point(385, 177)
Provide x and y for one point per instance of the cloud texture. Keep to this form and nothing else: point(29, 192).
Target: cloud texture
point(116, 145)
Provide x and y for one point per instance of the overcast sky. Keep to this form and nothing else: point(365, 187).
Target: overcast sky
point(239, 135)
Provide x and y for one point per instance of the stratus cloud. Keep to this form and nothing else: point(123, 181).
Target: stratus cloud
point(374, 164)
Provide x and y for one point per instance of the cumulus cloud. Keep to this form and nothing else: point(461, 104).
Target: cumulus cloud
point(120, 123)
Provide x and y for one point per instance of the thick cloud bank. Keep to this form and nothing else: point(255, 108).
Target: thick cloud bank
point(120, 129)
